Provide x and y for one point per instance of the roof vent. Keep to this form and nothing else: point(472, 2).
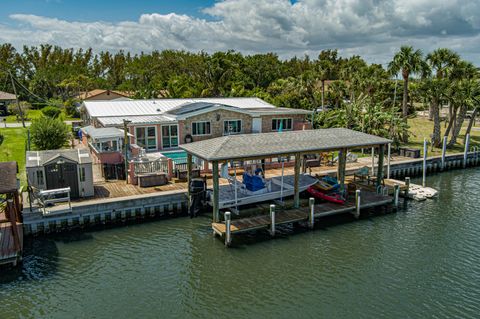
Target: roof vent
point(158, 110)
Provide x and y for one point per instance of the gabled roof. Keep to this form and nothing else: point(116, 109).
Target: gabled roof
point(93, 93)
point(245, 146)
point(8, 182)
point(40, 158)
point(7, 96)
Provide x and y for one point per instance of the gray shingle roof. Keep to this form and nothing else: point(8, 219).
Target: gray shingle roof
point(39, 158)
point(8, 182)
point(7, 96)
point(280, 143)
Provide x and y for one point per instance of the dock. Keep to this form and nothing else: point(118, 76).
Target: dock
point(11, 228)
point(367, 199)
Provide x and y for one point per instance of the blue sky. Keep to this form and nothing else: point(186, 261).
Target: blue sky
point(373, 29)
point(103, 10)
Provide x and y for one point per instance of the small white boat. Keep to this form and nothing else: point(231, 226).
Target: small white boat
point(228, 197)
point(421, 192)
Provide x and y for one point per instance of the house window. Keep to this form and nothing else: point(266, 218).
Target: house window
point(146, 137)
point(39, 177)
point(232, 127)
point(284, 124)
point(82, 174)
point(201, 128)
point(169, 136)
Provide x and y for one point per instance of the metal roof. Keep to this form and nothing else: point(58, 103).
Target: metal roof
point(244, 146)
point(145, 119)
point(39, 158)
point(194, 107)
point(8, 182)
point(159, 106)
point(103, 132)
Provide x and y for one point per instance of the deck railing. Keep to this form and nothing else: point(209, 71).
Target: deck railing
point(158, 165)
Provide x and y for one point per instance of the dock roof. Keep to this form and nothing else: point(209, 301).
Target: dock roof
point(246, 146)
point(8, 182)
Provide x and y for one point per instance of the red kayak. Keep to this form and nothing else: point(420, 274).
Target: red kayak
point(333, 197)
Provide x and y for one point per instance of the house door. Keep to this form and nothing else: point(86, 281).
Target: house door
point(61, 176)
point(169, 136)
point(257, 125)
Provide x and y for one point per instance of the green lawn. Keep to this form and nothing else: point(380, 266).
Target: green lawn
point(34, 114)
point(422, 128)
point(13, 149)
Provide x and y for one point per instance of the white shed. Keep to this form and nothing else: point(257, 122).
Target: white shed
point(55, 169)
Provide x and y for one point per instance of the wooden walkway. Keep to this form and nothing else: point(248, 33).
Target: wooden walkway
point(367, 200)
point(10, 250)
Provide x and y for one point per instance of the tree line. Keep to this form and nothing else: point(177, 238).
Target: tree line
point(356, 94)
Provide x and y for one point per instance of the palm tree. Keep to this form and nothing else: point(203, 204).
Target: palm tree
point(464, 95)
point(407, 61)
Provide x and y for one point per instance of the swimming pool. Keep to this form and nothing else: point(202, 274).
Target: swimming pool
point(179, 157)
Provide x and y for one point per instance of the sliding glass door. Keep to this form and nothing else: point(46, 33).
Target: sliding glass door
point(169, 136)
point(146, 137)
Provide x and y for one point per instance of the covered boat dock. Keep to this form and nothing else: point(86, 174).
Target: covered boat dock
point(245, 147)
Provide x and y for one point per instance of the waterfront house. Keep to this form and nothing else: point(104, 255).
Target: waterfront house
point(103, 95)
point(55, 169)
point(164, 124)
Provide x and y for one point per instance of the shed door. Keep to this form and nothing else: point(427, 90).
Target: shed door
point(256, 125)
point(61, 176)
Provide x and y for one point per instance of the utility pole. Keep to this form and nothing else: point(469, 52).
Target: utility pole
point(125, 145)
point(16, 97)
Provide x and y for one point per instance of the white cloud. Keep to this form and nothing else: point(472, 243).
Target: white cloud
point(371, 28)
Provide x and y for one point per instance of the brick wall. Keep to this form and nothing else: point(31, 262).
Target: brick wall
point(298, 121)
point(216, 127)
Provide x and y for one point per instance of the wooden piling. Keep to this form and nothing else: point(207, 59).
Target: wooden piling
point(357, 203)
point(396, 194)
point(465, 153)
point(216, 212)
point(272, 219)
point(228, 230)
point(407, 186)
point(311, 216)
point(425, 150)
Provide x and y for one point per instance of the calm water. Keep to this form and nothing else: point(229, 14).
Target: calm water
point(423, 261)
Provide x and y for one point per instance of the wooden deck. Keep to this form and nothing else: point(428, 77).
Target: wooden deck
point(9, 250)
point(367, 200)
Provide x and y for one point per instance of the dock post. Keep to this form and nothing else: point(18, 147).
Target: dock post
point(311, 216)
point(228, 231)
point(296, 191)
point(407, 186)
point(357, 203)
point(444, 151)
point(388, 159)
point(272, 219)
point(380, 168)
point(465, 153)
point(373, 161)
point(425, 150)
point(216, 211)
point(396, 194)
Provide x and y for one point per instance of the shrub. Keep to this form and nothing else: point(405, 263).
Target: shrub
point(70, 106)
point(51, 111)
point(49, 133)
point(13, 108)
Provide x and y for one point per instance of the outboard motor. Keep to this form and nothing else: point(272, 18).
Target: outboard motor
point(198, 192)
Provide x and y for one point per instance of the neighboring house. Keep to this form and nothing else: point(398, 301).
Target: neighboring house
point(5, 99)
point(60, 169)
point(103, 95)
point(163, 124)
